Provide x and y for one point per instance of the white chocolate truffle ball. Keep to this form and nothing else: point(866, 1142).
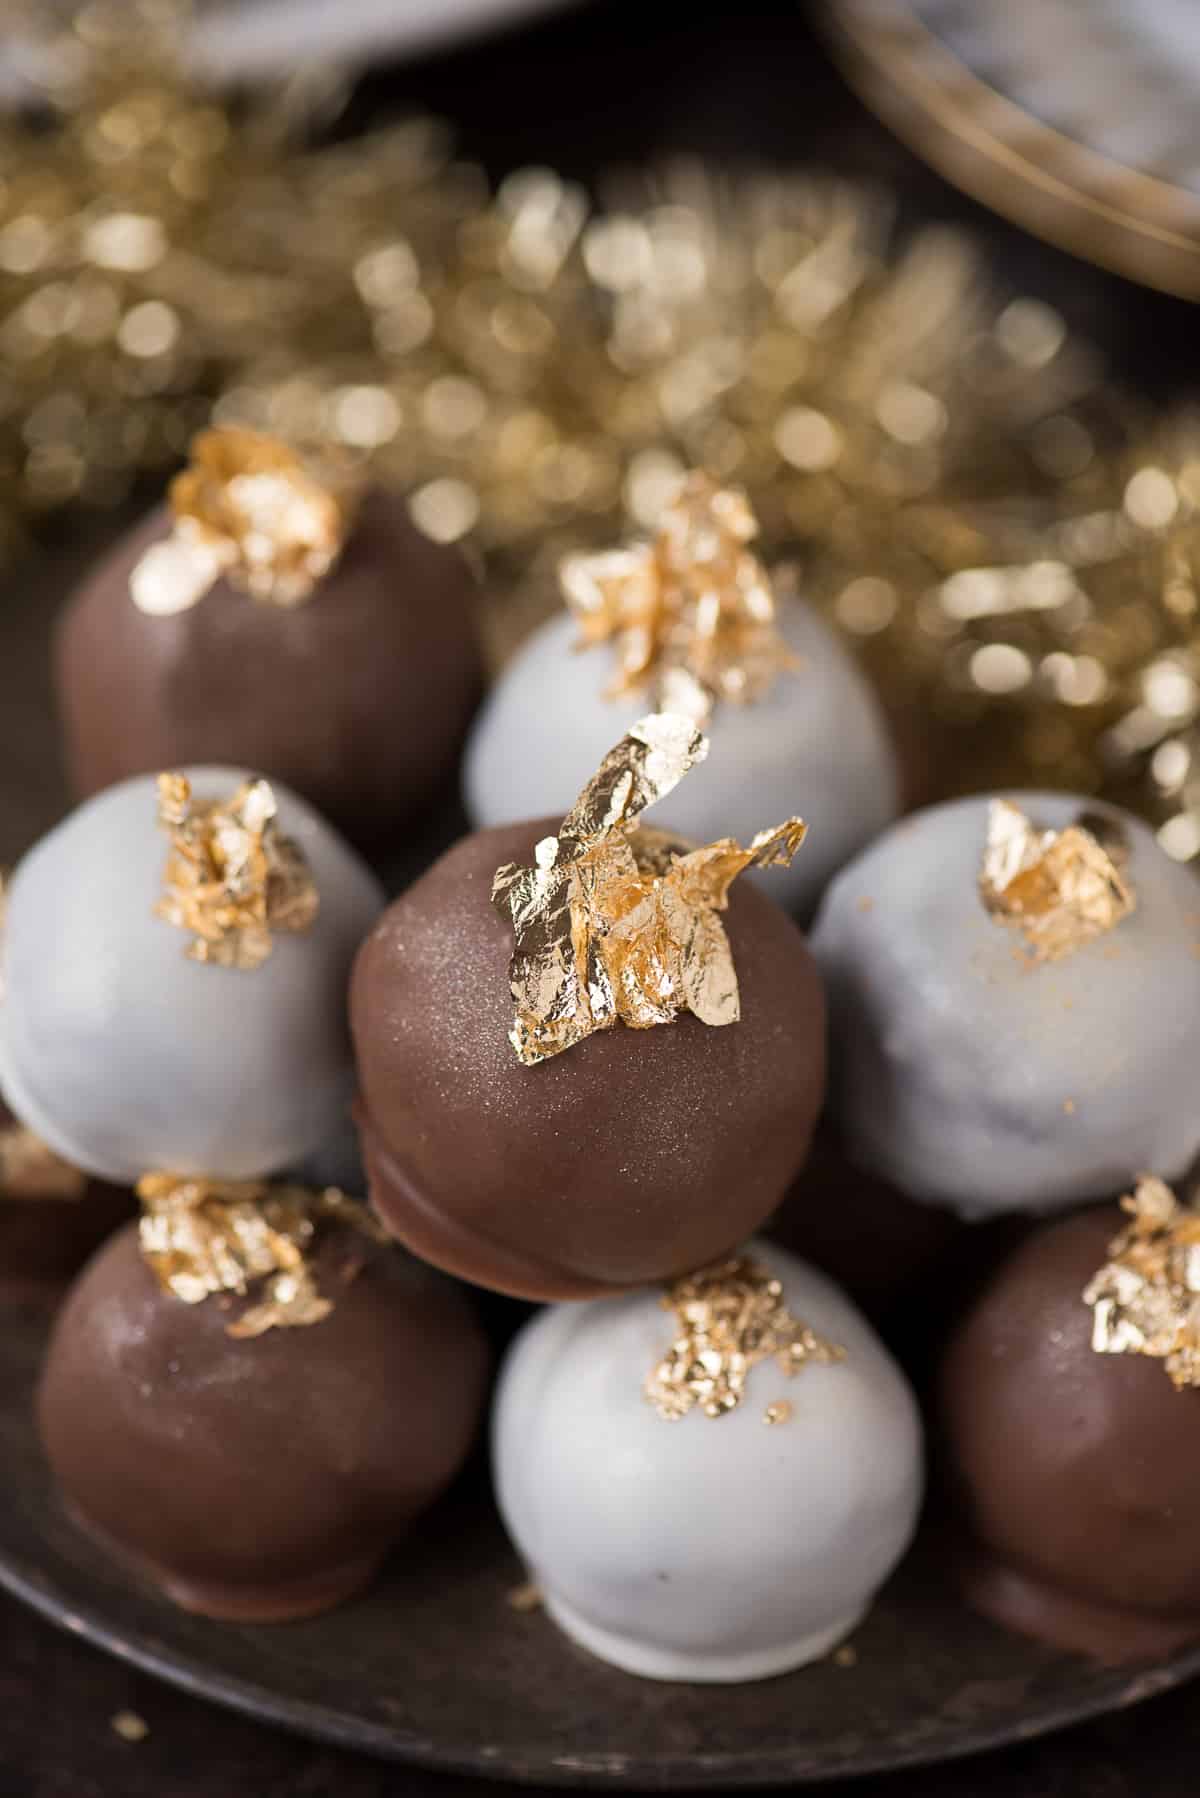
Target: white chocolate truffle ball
point(716, 1549)
point(125, 1055)
point(968, 1075)
point(815, 744)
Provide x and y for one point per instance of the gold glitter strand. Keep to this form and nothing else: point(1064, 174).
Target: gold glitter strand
point(29, 1168)
point(206, 1237)
point(1146, 1299)
point(1012, 549)
point(729, 1318)
point(695, 600)
point(232, 877)
point(248, 509)
point(1060, 889)
point(619, 925)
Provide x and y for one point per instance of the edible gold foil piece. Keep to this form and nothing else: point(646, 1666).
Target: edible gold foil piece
point(29, 1168)
point(728, 1318)
point(1146, 1298)
point(232, 877)
point(250, 510)
point(1061, 889)
point(205, 1237)
point(695, 600)
point(616, 924)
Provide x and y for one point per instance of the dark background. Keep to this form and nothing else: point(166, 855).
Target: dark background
point(615, 82)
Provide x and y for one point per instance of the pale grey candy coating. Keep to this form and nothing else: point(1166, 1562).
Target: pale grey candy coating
point(968, 1076)
point(125, 1055)
point(816, 745)
point(718, 1549)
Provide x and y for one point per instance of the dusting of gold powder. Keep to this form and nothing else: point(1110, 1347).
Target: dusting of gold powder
point(779, 1412)
point(616, 924)
point(1060, 888)
point(232, 878)
point(206, 1237)
point(249, 510)
point(728, 1318)
point(29, 1168)
point(694, 601)
point(1146, 1298)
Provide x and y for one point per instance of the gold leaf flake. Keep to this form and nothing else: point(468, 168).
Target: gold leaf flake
point(232, 877)
point(779, 1412)
point(29, 1168)
point(1061, 889)
point(728, 1318)
point(1146, 1298)
point(616, 924)
point(250, 510)
point(204, 1237)
point(694, 602)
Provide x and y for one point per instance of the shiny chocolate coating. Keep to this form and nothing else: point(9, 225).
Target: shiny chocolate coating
point(45, 1239)
point(359, 698)
point(635, 1155)
point(265, 1478)
point(1075, 1475)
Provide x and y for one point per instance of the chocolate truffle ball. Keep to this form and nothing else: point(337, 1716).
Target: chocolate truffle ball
point(260, 1478)
point(1076, 1474)
point(125, 1054)
point(357, 697)
point(632, 1156)
point(968, 1074)
point(698, 1547)
point(814, 742)
point(51, 1217)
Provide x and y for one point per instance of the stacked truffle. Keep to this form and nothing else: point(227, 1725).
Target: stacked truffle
point(219, 1399)
point(1015, 996)
point(587, 1064)
point(589, 1061)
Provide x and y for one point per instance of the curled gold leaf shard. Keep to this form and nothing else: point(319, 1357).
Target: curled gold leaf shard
point(1146, 1299)
point(696, 601)
point(29, 1168)
point(232, 878)
point(206, 1237)
point(616, 924)
point(1061, 889)
point(728, 1318)
point(250, 510)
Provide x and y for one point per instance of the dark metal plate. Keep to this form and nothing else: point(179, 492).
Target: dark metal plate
point(433, 1666)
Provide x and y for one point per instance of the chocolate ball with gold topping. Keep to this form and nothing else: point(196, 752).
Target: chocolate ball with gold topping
point(690, 617)
point(1015, 1002)
point(252, 1404)
point(711, 1483)
point(1070, 1432)
point(578, 1071)
point(51, 1215)
point(268, 616)
point(174, 969)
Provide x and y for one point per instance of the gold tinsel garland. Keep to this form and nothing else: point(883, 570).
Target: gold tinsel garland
point(1012, 550)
